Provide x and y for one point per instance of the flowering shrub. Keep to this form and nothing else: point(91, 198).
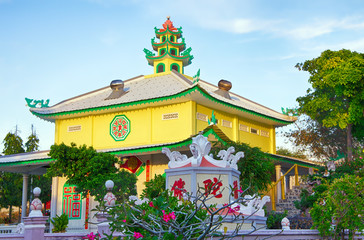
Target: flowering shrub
point(161, 218)
point(168, 217)
point(323, 181)
point(92, 236)
point(340, 208)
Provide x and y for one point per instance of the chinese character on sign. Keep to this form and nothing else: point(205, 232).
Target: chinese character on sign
point(178, 188)
point(236, 189)
point(71, 202)
point(211, 187)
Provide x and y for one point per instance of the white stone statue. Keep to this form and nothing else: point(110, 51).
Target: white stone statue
point(200, 149)
point(253, 205)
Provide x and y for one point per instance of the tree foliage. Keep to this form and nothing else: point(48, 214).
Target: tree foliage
point(324, 179)
point(11, 184)
point(32, 143)
point(317, 141)
point(291, 153)
point(256, 167)
point(89, 170)
point(337, 95)
point(13, 144)
point(342, 207)
point(155, 187)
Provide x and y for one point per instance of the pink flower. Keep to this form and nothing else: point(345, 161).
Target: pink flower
point(172, 215)
point(151, 204)
point(167, 217)
point(234, 210)
point(124, 220)
point(240, 190)
point(137, 235)
point(90, 236)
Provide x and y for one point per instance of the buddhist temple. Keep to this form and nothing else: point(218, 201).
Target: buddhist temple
point(135, 118)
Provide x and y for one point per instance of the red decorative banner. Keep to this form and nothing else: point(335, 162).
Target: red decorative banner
point(87, 209)
point(147, 177)
point(131, 163)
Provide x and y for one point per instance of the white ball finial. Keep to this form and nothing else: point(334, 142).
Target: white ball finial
point(285, 224)
point(109, 198)
point(36, 205)
point(109, 184)
point(36, 191)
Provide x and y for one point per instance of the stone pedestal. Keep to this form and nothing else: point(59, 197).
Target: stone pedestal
point(103, 224)
point(34, 227)
point(192, 179)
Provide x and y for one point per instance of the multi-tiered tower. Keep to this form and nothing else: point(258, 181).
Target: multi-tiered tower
point(171, 53)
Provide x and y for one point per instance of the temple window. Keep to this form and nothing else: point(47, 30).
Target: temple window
point(171, 39)
point(163, 51)
point(173, 51)
point(175, 67)
point(160, 68)
point(164, 39)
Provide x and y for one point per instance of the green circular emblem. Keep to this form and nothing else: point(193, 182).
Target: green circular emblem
point(120, 127)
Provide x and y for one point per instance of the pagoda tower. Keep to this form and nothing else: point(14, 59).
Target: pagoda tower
point(171, 50)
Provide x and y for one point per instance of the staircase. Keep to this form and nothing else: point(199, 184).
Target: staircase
point(287, 204)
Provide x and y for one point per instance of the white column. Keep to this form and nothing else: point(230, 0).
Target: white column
point(54, 198)
point(278, 176)
point(24, 197)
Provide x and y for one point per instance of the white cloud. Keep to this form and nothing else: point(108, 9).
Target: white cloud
point(355, 45)
point(320, 27)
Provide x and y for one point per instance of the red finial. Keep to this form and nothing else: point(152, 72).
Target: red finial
point(168, 24)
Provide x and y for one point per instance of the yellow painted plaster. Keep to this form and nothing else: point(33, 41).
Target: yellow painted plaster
point(83, 136)
point(174, 129)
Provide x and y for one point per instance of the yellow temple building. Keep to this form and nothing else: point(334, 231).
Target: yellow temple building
point(135, 118)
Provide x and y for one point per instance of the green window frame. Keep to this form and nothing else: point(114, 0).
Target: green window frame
point(175, 66)
point(161, 68)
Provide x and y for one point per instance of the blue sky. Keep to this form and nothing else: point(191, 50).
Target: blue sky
point(57, 49)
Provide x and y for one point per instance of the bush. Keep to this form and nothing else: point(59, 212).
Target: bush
point(155, 187)
point(274, 220)
point(342, 207)
point(60, 223)
point(256, 167)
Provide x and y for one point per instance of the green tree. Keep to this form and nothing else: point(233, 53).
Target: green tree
point(256, 167)
point(33, 142)
point(337, 95)
point(290, 153)
point(155, 187)
point(89, 170)
point(316, 140)
point(11, 183)
point(42, 182)
point(342, 207)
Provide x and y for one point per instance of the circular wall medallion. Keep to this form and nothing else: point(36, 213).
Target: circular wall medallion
point(120, 127)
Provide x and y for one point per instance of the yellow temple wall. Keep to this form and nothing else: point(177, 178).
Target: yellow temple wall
point(230, 125)
point(167, 63)
point(147, 126)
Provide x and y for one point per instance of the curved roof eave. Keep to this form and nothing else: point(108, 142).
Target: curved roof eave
point(202, 95)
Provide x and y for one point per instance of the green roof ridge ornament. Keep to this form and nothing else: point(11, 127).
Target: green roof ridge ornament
point(213, 119)
point(37, 103)
point(340, 155)
point(148, 52)
point(196, 78)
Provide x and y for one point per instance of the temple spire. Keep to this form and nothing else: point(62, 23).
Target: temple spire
point(171, 53)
